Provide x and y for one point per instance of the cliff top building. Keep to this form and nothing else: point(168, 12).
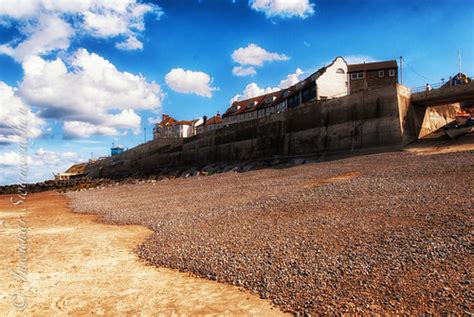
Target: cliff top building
point(326, 83)
point(372, 75)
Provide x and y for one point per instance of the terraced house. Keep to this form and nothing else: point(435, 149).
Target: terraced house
point(326, 83)
point(338, 79)
point(171, 128)
point(372, 75)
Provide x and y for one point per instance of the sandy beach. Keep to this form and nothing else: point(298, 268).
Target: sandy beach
point(78, 266)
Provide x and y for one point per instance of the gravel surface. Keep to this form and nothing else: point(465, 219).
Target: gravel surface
point(385, 233)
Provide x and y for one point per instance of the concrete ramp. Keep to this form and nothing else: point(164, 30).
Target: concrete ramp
point(444, 95)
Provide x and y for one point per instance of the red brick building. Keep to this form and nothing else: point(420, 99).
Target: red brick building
point(367, 76)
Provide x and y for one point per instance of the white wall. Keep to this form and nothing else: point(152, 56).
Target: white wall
point(332, 84)
point(187, 131)
point(196, 123)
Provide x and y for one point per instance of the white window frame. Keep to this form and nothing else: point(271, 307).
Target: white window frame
point(381, 73)
point(358, 75)
point(391, 73)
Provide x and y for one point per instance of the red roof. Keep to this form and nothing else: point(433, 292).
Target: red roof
point(167, 120)
point(214, 120)
point(251, 104)
point(243, 106)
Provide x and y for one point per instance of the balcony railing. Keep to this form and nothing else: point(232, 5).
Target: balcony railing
point(441, 84)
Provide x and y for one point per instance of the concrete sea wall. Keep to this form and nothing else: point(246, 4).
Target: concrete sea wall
point(370, 120)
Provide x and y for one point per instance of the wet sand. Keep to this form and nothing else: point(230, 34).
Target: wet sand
point(79, 266)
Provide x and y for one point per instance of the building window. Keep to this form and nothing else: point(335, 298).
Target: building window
point(391, 73)
point(294, 101)
point(381, 73)
point(281, 107)
point(309, 93)
point(357, 75)
point(340, 71)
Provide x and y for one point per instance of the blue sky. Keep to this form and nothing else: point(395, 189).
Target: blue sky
point(92, 73)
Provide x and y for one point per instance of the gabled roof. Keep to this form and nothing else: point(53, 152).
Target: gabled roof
point(170, 121)
point(278, 97)
point(167, 120)
point(244, 105)
point(372, 66)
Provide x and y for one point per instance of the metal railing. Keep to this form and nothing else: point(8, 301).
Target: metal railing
point(440, 85)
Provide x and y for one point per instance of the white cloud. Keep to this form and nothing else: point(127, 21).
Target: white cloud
point(89, 89)
point(22, 9)
point(15, 114)
point(291, 79)
point(49, 34)
point(77, 129)
point(359, 59)
point(243, 71)
point(105, 25)
point(253, 90)
point(130, 44)
point(284, 8)
point(255, 55)
point(44, 28)
point(43, 163)
point(190, 82)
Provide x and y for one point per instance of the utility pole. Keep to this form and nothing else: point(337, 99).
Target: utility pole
point(459, 61)
point(401, 70)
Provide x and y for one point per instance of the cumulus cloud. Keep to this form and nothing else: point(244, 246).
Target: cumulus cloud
point(49, 33)
point(243, 71)
point(253, 90)
point(77, 129)
point(90, 90)
point(44, 27)
point(255, 55)
point(14, 114)
point(130, 44)
point(190, 82)
point(291, 79)
point(43, 164)
point(284, 8)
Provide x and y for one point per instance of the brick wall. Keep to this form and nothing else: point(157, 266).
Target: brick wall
point(373, 80)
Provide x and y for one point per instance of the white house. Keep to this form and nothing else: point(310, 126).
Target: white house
point(326, 83)
point(331, 81)
point(171, 128)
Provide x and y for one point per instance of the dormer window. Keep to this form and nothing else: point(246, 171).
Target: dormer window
point(270, 99)
point(340, 71)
